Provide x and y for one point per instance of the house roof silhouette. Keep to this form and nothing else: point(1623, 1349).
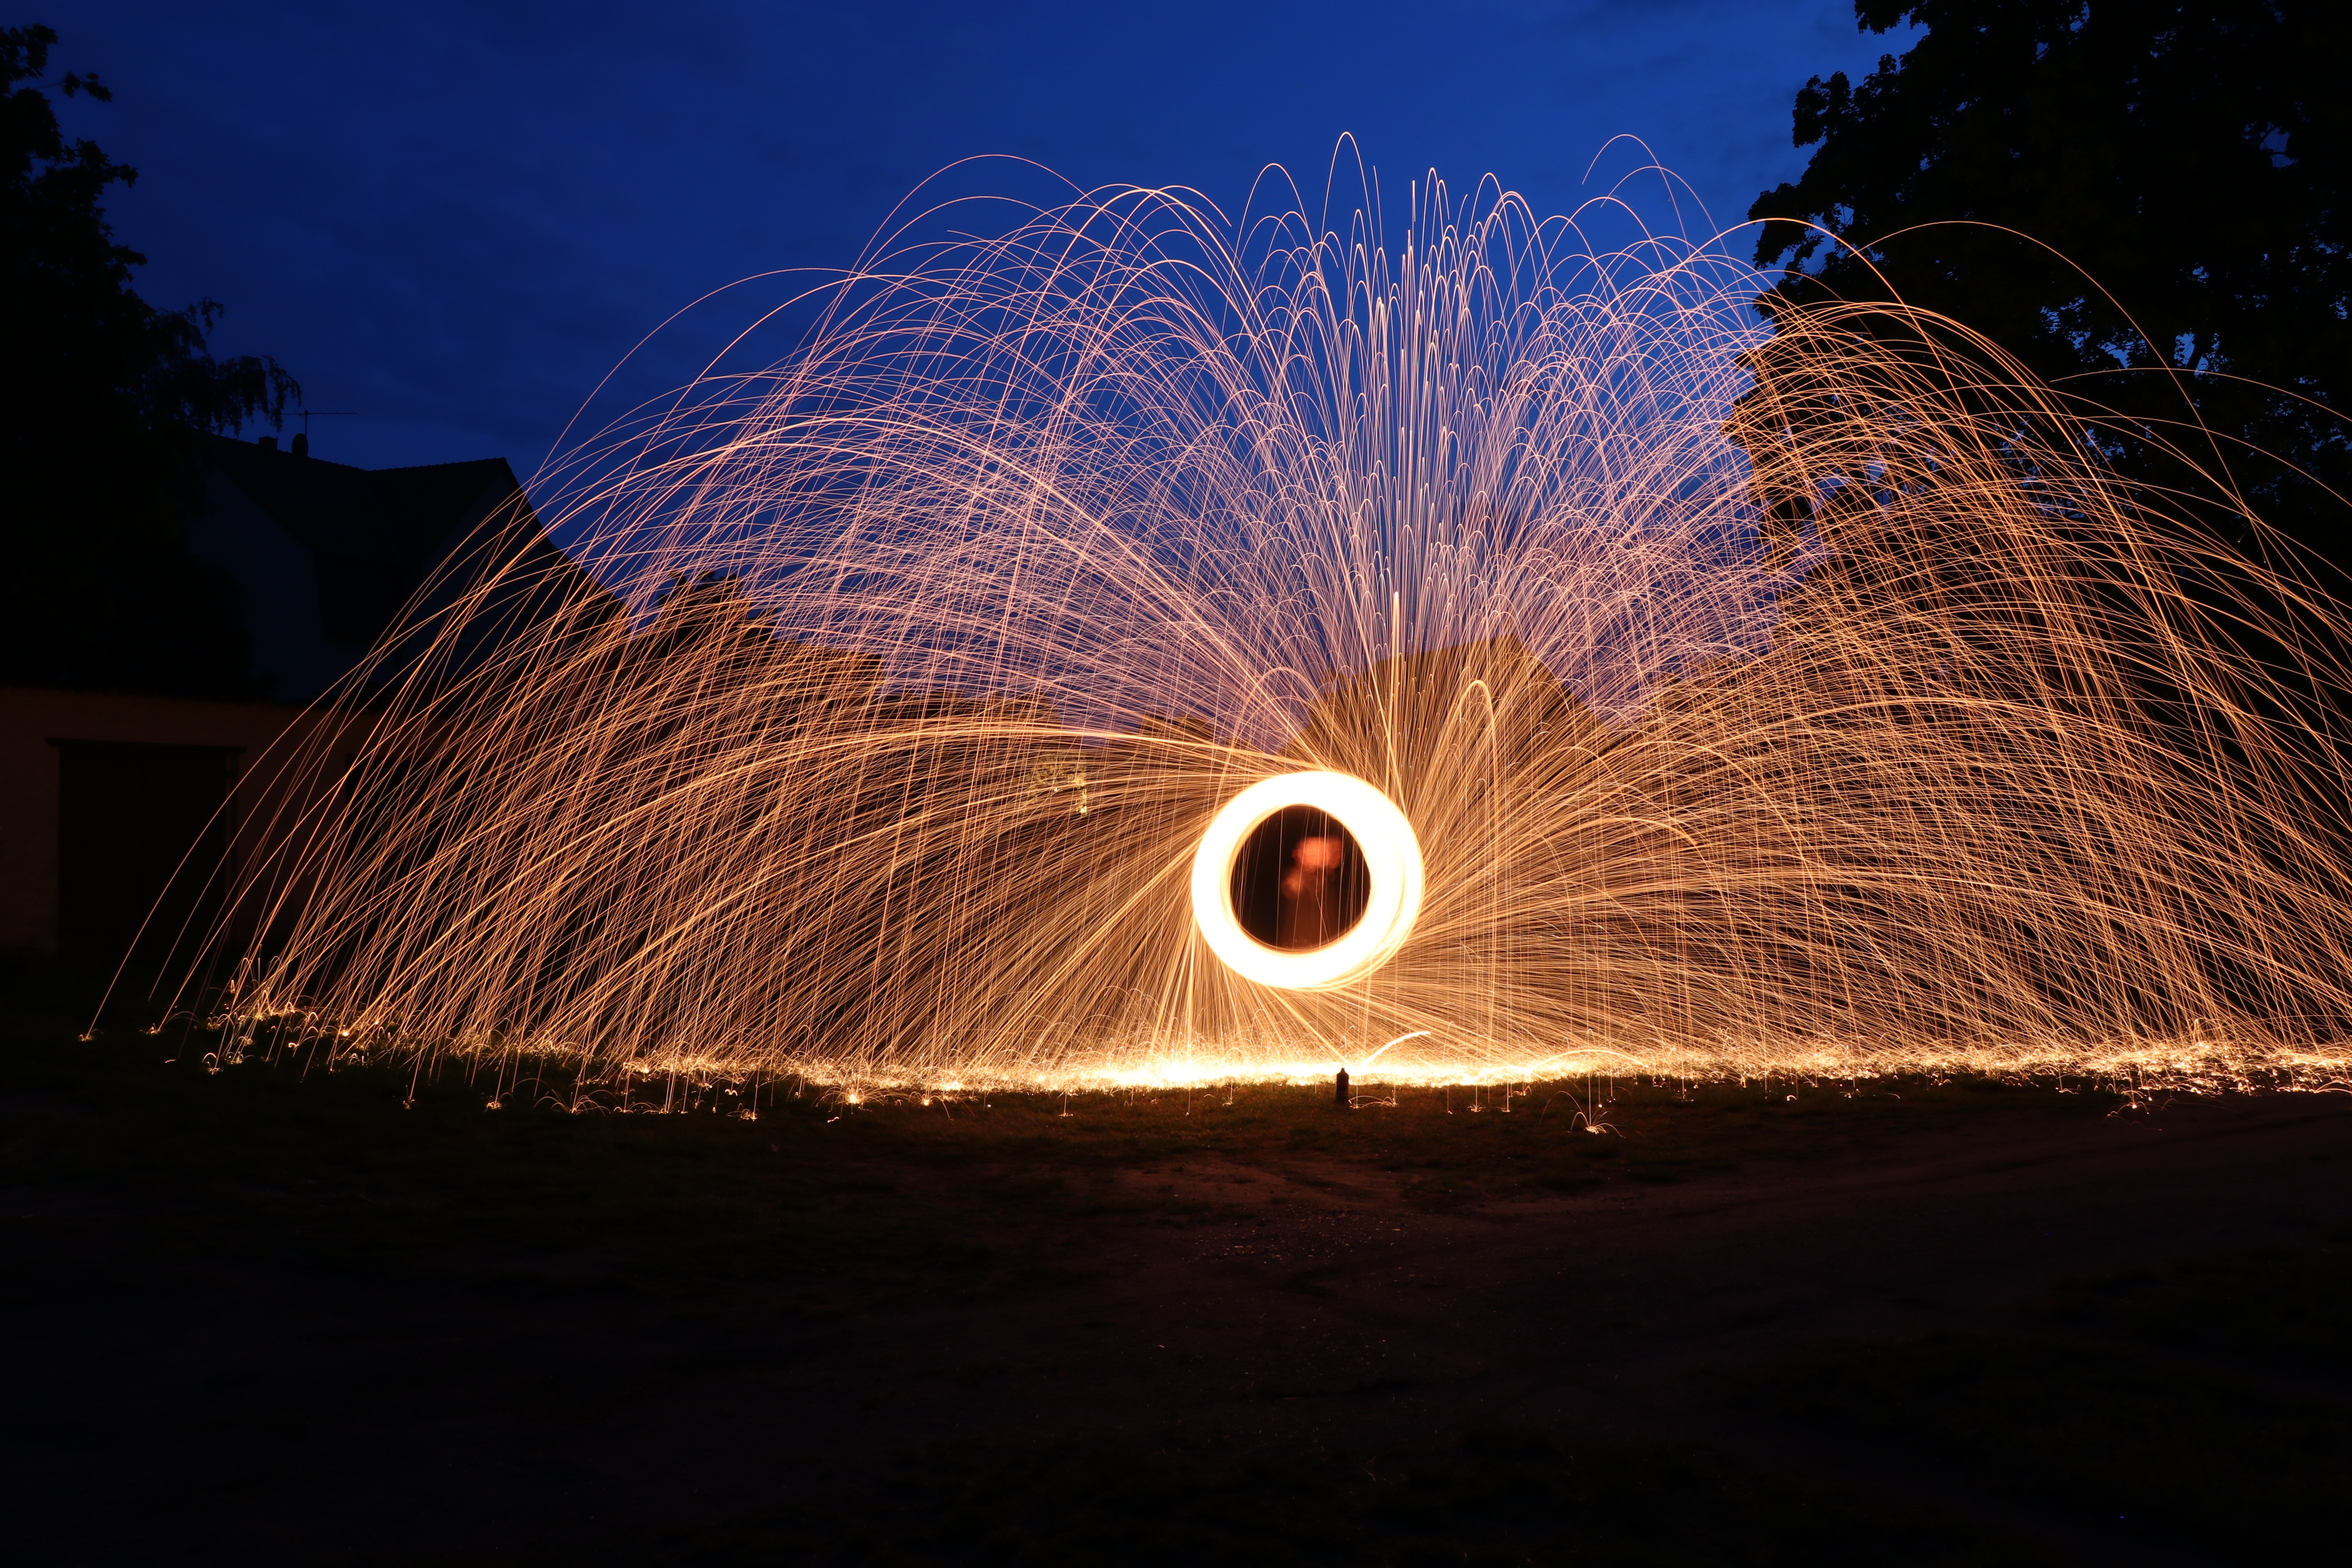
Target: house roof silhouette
point(329, 554)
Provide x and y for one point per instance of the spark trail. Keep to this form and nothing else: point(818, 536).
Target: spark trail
point(1812, 700)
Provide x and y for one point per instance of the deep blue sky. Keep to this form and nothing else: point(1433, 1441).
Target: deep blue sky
point(456, 218)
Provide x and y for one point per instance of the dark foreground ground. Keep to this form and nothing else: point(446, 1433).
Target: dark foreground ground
point(261, 1318)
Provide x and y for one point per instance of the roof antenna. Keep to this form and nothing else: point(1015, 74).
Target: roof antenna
point(300, 446)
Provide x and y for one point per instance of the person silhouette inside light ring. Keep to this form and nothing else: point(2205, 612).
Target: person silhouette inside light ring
point(1391, 855)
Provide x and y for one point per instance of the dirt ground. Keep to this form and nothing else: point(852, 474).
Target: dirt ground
point(205, 1372)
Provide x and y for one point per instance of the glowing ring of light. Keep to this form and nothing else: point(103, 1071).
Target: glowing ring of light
point(1391, 857)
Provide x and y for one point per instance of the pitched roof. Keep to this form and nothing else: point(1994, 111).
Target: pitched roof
point(1416, 698)
point(399, 518)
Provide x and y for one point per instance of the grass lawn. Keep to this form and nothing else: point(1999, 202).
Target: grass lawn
point(2200, 1409)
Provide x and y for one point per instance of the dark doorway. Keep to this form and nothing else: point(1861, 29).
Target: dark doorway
point(141, 833)
point(1299, 880)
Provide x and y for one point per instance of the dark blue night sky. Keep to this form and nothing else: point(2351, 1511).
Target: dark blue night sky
point(454, 219)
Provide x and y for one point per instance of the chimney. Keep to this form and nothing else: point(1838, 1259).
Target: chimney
point(268, 443)
point(301, 443)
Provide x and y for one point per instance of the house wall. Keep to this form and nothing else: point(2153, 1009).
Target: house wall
point(289, 610)
point(281, 591)
point(266, 736)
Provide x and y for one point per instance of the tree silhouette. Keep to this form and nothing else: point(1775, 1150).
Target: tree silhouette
point(2143, 201)
point(104, 402)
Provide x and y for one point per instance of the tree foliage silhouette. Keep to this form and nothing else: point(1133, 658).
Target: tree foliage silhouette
point(2141, 200)
point(104, 402)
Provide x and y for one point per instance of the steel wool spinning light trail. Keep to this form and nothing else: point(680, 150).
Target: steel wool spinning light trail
point(1121, 649)
point(1369, 936)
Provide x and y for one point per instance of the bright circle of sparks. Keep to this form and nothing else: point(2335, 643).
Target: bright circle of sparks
point(1391, 857)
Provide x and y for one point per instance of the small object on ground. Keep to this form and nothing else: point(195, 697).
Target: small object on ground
point(1339, 1093)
